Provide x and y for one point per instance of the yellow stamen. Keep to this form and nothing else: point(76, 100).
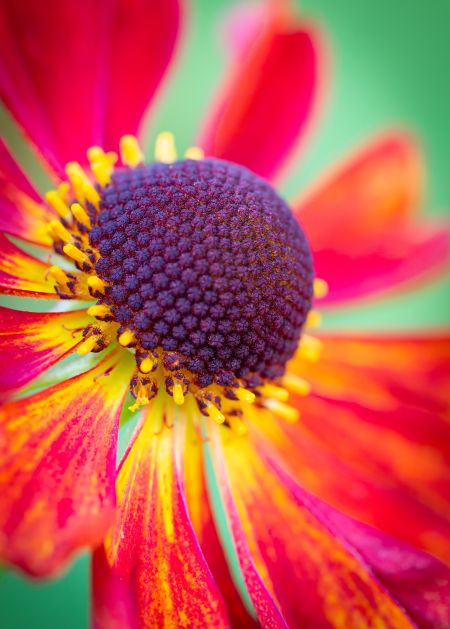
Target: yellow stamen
point(194, 152)
point(142, 398)
point(126, 338)
point(297, 385)
point(87, 345)
point(314, 319)
point(90, 193)
point(310, 348)
point(77, 185)
point(57, 203)
point(75, 253)
point(272, 391)
point(244, 395)
point(98, 310)
point(285, 411)
point(63, 191)
point(130, 151)
point(74, 171)
point(320, 288)
point(60, 231)
point(111, 157)
point(96, 283)
point(214, 413)
point(95, 154)
point(102, 164)
point(78, 178)
point(237, 425)
point(146, 365)
point(102, 172)
point(80, 214)
point(177, 393)
point(58, 274)
point(165, 150)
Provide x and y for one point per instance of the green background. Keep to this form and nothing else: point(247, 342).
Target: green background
point(388, 66)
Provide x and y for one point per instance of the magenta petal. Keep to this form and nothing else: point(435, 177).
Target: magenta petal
point(261, 112)
point(242, 23)
point(77, 73)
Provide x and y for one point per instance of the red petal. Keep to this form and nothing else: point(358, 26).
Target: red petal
point(360, 225)
point(409, 258)
point(379, 371)
point(22, 274)
point(372, 439)
point(262, 110)
point(417, 580)
point(22, 212)
point(94, 63)
point(313, 565)
point(58, 467)
point(151, 571)
point(143, 39)
point(372, 192)
point(31, 342)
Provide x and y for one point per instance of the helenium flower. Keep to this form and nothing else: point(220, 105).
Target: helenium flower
point(277, 475)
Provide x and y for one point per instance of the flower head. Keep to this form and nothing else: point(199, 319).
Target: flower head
point(198, 283)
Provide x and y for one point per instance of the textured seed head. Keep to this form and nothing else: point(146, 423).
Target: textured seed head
point(204, 260)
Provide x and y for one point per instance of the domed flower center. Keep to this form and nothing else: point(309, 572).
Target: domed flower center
point(198, 268)
point(205, 261)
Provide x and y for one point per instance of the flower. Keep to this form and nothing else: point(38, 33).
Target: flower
point(226, 507)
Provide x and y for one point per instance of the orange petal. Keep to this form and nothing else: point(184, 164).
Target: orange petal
point(379, 370)
point(58, 467)
point(22, 274)
point(22, 212)
point(373, 439)
point(151, 571)
point(31, 342)
point(376, 473)
point(310, 557)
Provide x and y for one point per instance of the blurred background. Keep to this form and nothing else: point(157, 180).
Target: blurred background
point(388, 67)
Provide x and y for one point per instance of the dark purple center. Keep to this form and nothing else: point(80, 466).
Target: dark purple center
point(205, 260)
